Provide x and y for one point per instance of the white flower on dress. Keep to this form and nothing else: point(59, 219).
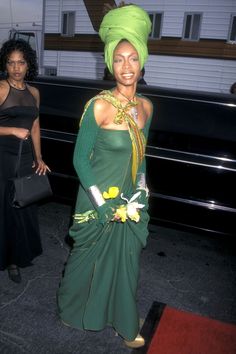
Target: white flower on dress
point(133, 207)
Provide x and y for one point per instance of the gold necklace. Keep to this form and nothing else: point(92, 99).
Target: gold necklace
point(122, 94)
point(133, 110)
point(15, 86)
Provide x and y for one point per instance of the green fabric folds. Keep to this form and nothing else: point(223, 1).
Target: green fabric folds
point(128, 22)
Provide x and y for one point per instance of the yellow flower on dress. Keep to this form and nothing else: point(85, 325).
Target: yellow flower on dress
point(121, 213)
point(112, 193)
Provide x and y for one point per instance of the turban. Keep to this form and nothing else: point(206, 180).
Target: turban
point(129, 22)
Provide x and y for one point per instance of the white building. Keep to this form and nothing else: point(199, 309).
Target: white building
point(192, 45)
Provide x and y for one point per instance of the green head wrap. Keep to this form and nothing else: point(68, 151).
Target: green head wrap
point(128, 22)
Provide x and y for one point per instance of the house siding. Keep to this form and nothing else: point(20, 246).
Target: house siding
point(190, 73)
point(182, 70)
point(76, 64)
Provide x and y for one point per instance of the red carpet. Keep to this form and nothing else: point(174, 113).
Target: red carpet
point(180, 332)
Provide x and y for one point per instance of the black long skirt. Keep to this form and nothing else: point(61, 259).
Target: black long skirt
point(19, 228)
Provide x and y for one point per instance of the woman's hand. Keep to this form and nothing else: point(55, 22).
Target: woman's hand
point(42, 168)
point(106, 212)
point(21, 133)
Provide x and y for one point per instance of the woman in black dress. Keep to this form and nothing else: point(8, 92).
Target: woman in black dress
point(19, 120)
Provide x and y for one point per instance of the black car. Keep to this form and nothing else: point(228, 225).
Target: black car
point(191, 153)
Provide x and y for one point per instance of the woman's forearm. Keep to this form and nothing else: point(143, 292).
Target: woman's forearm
point(20, 133)
point(35, 134)
point(7, 131)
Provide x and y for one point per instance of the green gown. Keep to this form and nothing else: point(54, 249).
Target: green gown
point(100, 282)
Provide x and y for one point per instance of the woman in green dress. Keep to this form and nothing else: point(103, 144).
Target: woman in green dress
point(110, 222)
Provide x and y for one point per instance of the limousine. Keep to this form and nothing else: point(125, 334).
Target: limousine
point(191, 150)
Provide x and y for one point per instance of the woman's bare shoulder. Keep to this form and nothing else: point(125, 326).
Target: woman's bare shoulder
point(35, 92)
point(100, 104)
point(4, 85)
point(4, 90)
point(102, 110)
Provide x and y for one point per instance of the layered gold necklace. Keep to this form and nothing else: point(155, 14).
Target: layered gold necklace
point(133, 110)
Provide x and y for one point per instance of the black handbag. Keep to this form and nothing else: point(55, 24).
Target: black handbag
point(28, 189)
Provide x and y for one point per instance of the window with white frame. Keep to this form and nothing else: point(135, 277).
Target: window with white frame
point(232, 29)
point(68, 24)
point(156, 19)
point(192, 26)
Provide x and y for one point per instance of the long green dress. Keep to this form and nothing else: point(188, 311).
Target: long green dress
point(100, 281)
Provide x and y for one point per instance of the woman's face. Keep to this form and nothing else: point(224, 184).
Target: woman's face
point(16, 66)
point(126, 66)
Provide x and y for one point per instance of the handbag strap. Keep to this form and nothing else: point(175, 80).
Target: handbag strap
point(18, 159)
point(17, 169)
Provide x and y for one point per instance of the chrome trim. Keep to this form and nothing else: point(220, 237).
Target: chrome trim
point(192, 158)
point(193, 163)
point(188, 226)
point(57, 139)
point(193, 100)
point(55, 135)
point(191, 153)
point(208, 205)
point(56, 131)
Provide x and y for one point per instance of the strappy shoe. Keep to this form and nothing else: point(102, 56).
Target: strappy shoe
point(138, 342)
point(14, 273)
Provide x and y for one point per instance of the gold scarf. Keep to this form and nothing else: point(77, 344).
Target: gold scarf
point(136, 135)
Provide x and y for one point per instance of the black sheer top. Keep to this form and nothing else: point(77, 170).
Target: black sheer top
point(19, 109)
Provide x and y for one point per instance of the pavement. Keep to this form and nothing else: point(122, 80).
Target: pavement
point(185, 270)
